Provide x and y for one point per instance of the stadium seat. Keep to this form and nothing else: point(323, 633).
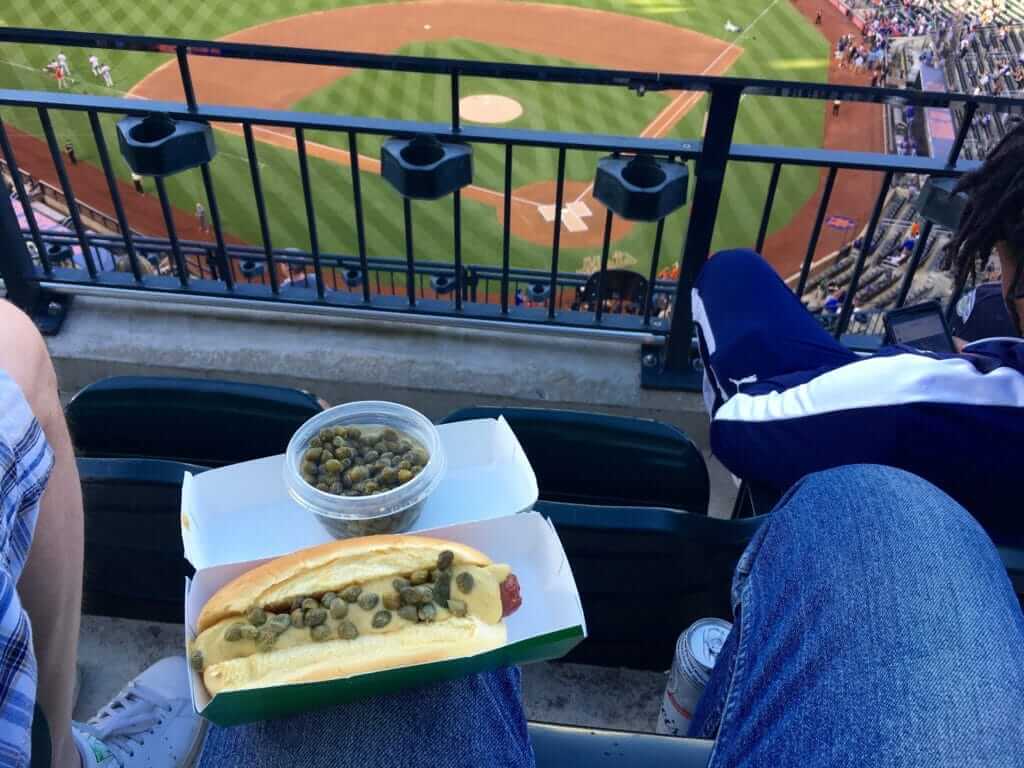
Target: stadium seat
point(612, 548)
point(196, 421)
point(134, 564)
point(592, 458)
point(624, 289)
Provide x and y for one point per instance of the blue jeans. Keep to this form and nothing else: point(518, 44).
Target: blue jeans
point(476, 721)
point(875, 625)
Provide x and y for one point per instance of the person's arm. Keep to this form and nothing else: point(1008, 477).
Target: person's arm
point(50, 587)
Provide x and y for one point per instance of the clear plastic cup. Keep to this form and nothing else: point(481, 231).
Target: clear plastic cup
point(388, 512)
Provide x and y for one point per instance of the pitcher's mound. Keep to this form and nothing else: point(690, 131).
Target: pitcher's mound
point(489, 108)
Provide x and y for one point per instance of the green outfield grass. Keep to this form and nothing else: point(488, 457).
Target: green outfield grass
point(781, 45)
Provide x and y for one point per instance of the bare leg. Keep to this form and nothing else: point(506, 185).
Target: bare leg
point(51, 584)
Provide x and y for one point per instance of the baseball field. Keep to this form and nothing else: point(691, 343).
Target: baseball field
point(777, 39)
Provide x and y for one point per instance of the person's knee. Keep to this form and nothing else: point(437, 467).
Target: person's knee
point(844, 501)
point(24, 357)
point(731, 264)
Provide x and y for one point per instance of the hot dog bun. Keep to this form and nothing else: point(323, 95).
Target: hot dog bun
point(474, 623)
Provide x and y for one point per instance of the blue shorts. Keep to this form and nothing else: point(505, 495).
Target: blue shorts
point(25, 463)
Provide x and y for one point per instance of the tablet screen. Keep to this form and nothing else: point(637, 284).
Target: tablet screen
point(923, 331)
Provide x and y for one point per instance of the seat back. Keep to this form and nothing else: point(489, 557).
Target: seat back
point(134, 563)
point(618, 285)
point(210, 423)
point(591, 458)
point(644, 575)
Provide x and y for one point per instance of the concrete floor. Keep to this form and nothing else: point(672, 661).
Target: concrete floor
point(112, 651)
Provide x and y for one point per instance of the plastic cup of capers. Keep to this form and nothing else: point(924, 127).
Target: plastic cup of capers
point(365, 467)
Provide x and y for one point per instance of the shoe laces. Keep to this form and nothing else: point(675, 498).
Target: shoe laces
point(124, 723)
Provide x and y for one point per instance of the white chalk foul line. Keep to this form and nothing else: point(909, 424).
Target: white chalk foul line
point(684, 101)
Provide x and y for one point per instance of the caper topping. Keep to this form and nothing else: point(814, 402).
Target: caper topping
point(351, 594)
point(323, 487)
point(443, 588)
point(328, 598)
point(256, 616)
point(464, 581)
point(309, 604)
point(326, 454)
point(381, 619)
point(313, 454)
point(353, 433)
point(389, 476)
point(445, 560)
point(196, 660)
point(280, 623)
point(358, 474)
point(320, 632)
point(368, 600)
point(265, 638)
point(316, 442)
point(308, 468)
point(408, 612)
point(370, 487)
point(392, 601)
point(297, 602)
point(234, 633)
point(315, 617)
point(344, 453)
point(347, 631)
point(419, 577)
point(339, 608)
point(297, 619)
point(338, 442)
point(399, 584)
point(389, 434)
point(419, 456)
point(404, 465)
point(427, 612)
point(326, 435)
point(371, 456)
point(411, 596)
point(333, 466)
point(457, 607)
point(404, 475)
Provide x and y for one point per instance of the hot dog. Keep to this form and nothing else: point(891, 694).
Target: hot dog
point(352, 606)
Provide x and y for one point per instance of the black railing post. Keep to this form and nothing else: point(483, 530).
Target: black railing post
point(867, 245)
point(769, 201)
point(915, 261)
point(710, 172)
point(812, 244)
point(16, 265)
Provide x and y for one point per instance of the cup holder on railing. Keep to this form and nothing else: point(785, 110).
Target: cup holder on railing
point(424, 168)
point(640, 188)
point(157, 145)
point(353, 278)
point(442, 284)
point(251, 268)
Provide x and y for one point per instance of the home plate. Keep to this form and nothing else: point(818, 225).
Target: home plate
point(573, 222)
point(426, 26)
point(579, 208)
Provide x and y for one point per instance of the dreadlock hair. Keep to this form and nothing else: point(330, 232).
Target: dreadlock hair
point(995, 206)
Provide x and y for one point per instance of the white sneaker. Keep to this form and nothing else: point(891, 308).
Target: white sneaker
point(149, 724)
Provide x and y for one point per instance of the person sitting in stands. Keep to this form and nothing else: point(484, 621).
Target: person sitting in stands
point(787, 399)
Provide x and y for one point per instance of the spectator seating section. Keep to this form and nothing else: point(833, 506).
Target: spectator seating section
point(209, 423)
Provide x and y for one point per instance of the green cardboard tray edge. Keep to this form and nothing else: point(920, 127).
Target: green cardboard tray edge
point(237, 707)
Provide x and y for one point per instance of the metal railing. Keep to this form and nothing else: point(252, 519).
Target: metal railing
point(668, 361)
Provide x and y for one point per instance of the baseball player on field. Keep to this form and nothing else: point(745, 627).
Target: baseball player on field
point(105, 73)
point(63, 61)
point(94, 62)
